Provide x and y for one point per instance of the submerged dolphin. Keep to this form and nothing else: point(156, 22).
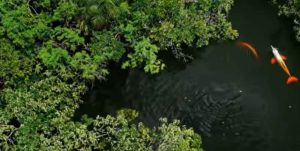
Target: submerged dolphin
point(280, 60)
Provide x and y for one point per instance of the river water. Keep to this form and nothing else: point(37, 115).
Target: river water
point(235, 103)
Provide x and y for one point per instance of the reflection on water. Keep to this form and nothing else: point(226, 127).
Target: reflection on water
point(185, 100)
point(212, 108)
point(235, 103)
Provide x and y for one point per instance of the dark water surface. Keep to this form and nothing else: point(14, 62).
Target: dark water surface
point(233, 102)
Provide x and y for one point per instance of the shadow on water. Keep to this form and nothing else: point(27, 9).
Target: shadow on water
point(234, 103)
point(106, 96)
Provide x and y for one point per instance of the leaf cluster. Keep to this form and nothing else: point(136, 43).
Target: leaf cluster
point(51, 49)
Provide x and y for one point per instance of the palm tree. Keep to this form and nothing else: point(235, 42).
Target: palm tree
point(98, 13)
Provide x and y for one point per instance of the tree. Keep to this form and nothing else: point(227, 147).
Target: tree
point(40, 118)
point(52, 49)
point(291, 8)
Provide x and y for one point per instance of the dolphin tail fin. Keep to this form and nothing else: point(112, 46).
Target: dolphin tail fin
point(292, 79)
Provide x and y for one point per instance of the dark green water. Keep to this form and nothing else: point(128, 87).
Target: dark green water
point(233, 102)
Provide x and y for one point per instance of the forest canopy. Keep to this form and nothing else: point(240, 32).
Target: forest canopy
point(52, 49)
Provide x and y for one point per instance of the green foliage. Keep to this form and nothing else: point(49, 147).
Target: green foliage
point(176, 138)
point(168, 24)
point(48, 125)
point(97, 14)
point(68, 38)
point(13, 65)
point(88, 65)
point(65, 11)
point(107, 27)
point(290, 8)
point(145, 52)
point(22, 27)
point(106, 47)
point(38, 107)
point(43, 96)
point(51, 49)
point(53, 57)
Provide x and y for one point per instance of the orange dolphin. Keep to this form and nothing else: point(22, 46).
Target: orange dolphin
point(280, 60)
point(250, 47)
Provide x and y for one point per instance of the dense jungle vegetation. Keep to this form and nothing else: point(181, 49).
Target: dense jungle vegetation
point(51, 51)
